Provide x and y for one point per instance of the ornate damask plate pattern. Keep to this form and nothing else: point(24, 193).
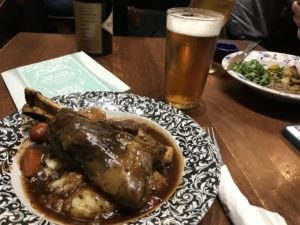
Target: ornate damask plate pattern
point(200, 180)
point(267, 59)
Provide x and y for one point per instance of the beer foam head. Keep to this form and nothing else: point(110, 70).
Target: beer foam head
point(194, 22)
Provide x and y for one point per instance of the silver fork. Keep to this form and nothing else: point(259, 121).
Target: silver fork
point(211, 134)
point(242, 56)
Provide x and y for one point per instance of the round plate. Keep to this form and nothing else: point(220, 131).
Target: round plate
point(267, 59)
point(201, 176)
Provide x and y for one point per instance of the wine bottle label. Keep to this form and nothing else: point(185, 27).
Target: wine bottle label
point(89, 26)
point(108, 23)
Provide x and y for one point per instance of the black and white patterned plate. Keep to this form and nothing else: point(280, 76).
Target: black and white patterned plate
point(200, 180)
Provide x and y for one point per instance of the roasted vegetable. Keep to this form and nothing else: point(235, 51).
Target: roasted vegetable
point(31, 161)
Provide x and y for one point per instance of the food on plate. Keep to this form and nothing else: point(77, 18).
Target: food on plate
point(82, 167)
point(286, 79)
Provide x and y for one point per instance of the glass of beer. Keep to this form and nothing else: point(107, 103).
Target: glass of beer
point(222, 6)
point(192, 35)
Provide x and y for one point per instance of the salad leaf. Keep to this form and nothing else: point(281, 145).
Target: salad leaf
point(253, 70)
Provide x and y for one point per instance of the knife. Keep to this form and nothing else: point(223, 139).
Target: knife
point(242, 56)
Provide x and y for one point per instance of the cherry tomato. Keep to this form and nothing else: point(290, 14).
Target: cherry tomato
point(37, 132)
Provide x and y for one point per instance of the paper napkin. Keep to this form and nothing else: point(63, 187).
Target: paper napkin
point(67, 74)
point(238, 208)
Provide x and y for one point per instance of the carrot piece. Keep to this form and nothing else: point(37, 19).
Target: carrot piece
point(31, 161)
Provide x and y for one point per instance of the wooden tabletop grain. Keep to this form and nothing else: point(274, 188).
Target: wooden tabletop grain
point(265, 166)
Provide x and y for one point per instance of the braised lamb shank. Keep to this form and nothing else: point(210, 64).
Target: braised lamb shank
point(114, 160)
point(120, 163)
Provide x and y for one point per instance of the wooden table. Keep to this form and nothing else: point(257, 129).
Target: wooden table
point(265, 166)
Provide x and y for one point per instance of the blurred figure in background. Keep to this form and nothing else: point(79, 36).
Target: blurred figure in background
point(267, 21)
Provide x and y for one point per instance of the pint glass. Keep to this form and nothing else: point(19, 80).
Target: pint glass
point(192, 35)
point(222, 6)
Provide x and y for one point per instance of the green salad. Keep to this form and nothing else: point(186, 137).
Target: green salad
point(253, 70)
